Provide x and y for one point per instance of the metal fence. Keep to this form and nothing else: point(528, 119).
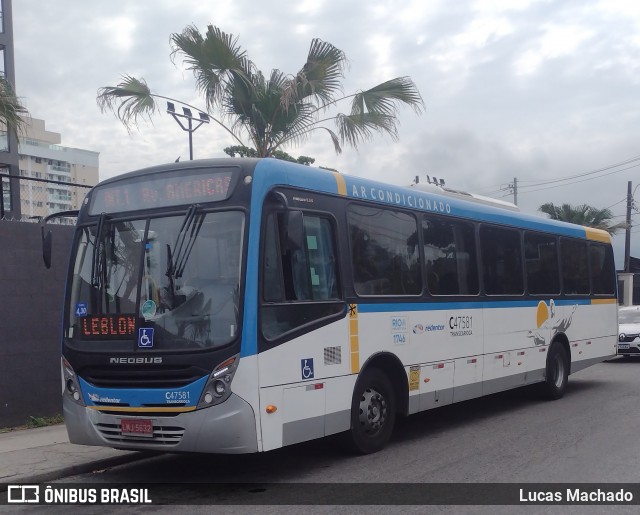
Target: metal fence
point(38, 197)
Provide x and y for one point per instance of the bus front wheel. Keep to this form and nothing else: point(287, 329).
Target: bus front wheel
point(373, 412)
point(557, 374)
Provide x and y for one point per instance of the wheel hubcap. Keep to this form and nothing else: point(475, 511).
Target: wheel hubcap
point(373, 412)
point(559, 375)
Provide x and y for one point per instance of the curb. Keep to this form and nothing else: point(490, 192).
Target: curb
point(72, 470)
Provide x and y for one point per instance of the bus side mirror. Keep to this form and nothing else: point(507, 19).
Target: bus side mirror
point(295, 230)
point(46, 247)
point(46, 236)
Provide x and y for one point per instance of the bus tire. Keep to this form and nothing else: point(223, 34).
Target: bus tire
point(557, 374)
point(373, 413)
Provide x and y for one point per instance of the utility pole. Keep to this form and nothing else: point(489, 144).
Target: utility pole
point(514, 188)
point(627, 240)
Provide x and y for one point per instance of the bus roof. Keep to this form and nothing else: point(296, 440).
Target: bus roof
point(269, 172)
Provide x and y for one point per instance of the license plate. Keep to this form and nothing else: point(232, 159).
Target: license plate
point(136, 427)
point(623, 346)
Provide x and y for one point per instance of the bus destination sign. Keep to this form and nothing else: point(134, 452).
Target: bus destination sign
point(162, 190)
point(107, 327)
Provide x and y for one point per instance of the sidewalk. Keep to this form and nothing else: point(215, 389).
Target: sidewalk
point(45, 454)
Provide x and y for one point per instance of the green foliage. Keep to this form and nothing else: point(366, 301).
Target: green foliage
point(13, 113)
point(131, 99)
point(34, 422)
point(275, 110)
point(583, 214)
point(242, 151)
point(44, 421)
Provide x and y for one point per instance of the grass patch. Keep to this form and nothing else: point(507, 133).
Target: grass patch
point(44, 421)
point(34, 422)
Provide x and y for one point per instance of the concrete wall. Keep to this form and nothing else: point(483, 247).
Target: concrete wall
point(30, 321)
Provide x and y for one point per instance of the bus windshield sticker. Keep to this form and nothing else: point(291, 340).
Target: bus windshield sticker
point(148, 309)
point(145, 337)
point(81, 309)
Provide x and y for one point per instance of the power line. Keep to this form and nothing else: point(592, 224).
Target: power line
point(583, 180)
point(619, 202)
point(583, 174)
point(534, 184)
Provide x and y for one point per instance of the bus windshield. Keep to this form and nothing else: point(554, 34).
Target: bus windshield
point(178, 275)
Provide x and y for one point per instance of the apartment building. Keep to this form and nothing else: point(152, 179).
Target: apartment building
point(70, 172)
point(8, 142)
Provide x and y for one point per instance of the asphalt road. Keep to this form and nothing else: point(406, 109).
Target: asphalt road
point(513, 437)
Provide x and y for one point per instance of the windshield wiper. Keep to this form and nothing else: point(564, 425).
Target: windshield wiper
point(169, 274)
point(98, 250)
point(184, 242)
point(99, 266)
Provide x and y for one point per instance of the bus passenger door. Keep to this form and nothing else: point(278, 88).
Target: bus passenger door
point(303, 328)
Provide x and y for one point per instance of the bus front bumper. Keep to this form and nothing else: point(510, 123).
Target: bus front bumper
point(228, 428)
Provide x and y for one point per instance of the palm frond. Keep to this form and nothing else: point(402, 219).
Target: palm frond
point(130, 100)
point(13, 114)
point(584, 215)
point(294, 125)
point(213, 59)
point(357, 128)
point(319, 77)
point(334, 139)
point(385, 97)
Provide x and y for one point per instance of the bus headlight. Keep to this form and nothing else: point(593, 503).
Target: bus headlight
point(70, 386)
point(218, 387)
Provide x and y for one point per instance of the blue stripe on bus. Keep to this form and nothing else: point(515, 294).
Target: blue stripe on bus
point(481, 304)
point(188, 395)
point(428, 202)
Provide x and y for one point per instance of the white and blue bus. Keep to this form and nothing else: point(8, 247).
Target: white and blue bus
point(241, 305)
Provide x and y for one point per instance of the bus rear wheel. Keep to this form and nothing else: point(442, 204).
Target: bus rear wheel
point(557, 374)
point(373, 412)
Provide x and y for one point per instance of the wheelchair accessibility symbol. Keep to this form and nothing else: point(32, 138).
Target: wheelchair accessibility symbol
point(306, 366)
point(145, 337)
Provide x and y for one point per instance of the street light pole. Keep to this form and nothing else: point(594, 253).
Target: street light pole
point(202, 119)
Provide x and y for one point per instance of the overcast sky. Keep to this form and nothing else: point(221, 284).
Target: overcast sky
point(538, 90)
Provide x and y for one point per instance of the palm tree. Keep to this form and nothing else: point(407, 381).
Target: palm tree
point(13, 114)
point(270, 111)
point(583, 214)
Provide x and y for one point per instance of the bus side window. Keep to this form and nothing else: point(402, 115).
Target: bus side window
point(384, 253)
point(501, 261)
point(541, 258)
point(299, 274)
point(322, 262)
point(575, 264)
point(602, 269)
point(272, 271)
point(450, 257)
point(297, 283)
